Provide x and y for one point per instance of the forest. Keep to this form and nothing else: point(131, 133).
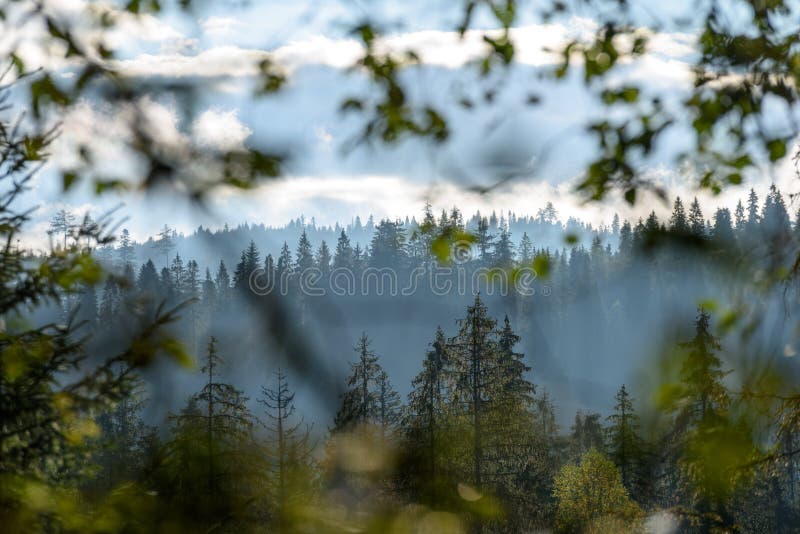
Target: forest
point(476, 437)
point(489, 266)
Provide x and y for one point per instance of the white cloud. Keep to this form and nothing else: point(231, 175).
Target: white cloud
point(220, 26)
point(220, 129)
point(536, 45)
point(221, 61)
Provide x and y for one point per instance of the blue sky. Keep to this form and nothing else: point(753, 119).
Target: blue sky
point(220, 45)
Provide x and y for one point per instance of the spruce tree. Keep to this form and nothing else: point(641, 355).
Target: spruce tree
point(503, 256)
point(753, 218)
point(109, 304)
point(212, 448)
point(587, 433)
point(284, 267)
point(324, 259)
point(209, 291)
point(739, 218)
point(223, 282)
point(702, 426)
point(775, 221)
point(147, 281)
point(343, 255)
point(191, 282)
point(125, 250)
point(678, 222)
point(625, 446)
point(304, 258)
point(387, 406)
point(474, 353)
point(697, 224)
point(359, 401)
point(125, 443)
point(62, 223)
point(426, 417)
point(387, 248)
point(178, 274)
point(165, 243)
point(249, 262)
point(525, 250)
point(722, 231)
point(289, 450)
point(484, 239)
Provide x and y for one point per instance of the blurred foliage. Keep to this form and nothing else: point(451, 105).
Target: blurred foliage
point(61, 398)
point(51, 387)
point(741, 68)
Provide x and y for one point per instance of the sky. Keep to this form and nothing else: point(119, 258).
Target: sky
point(328, 179)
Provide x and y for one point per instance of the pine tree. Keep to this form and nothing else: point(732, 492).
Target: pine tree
point(428, 231)
point(626, 242)
point(387, 406)
point(775, 219)
point(483, 239)
point(249, 261)
point(284, 266)
point(324, 259)
point(270, 278)
point(697, 224)
point(125, 442)
point(525, 250)
point(587, 433)
point(702, 426)
point(223, 282)
point(651, 225)
point(387, 248)
point(625, 446)
point(62, 223)
point(289, 451)
point(126, 252)
point(678, 222)
point(165, 243)
point(209, 291)
point(503, 256)
point(109, 304)
point(177, 274)
point(722, 232)
point(739, 217)
point(343, 256)
point(492, 399)
point(701, 375)
point(304, 258)
point(425, 421)
point(166, 287)
point(219, 412)
point(547, 215)
point(359, 401)
point(474, 357)
point(147, 281)
point(87, 306)
point(191, 282)
point(753, 218)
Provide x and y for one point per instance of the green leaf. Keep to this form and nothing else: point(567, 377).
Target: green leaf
point(541, 264)
point(777, 149)
point(68, 178)
point(734, 178)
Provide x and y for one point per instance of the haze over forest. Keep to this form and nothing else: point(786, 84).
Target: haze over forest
point(491, 266)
